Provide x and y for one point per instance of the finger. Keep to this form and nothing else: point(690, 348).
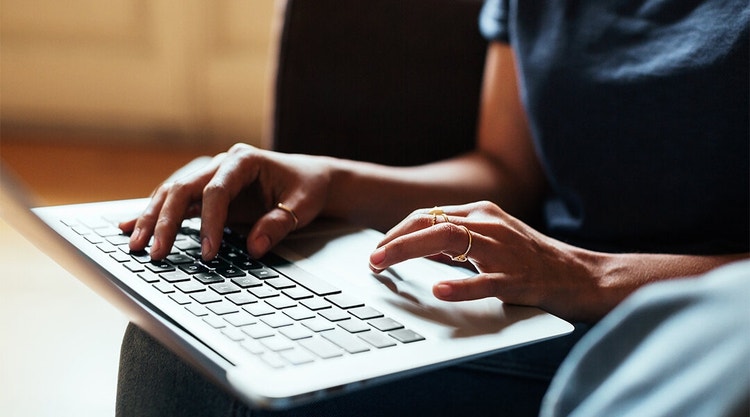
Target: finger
point(235, 173)
point(127, 226)
point(271, 228)
point(143, 227)
point(179, 199)
point(426, 217)
point(447, 238)
point(473, 288)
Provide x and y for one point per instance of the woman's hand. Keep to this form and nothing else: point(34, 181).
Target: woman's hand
point(515, 263)
point(244, 185)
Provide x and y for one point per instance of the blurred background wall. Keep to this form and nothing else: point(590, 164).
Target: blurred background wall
point(193, 71)
point(102, 99)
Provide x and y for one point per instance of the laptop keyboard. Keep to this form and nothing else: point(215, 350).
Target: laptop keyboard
point(272, 309)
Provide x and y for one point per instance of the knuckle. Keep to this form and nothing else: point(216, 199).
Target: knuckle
point(214, 190)
point(492, 285)
point(238, 148)
point(165, 187)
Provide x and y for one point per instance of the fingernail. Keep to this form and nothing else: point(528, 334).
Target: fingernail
point(136, 234)
point(443, 290)
point(155, 246)
point(377, 257)
point(205, 246)
point(262, 243)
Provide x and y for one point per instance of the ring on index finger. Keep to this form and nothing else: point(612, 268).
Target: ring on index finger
point(435, 212)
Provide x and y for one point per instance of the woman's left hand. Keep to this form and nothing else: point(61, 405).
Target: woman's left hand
point(515, 263)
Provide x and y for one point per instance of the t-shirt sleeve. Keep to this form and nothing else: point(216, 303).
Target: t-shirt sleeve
point(493, 20)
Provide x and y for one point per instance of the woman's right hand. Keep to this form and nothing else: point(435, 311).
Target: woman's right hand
point(243, 185)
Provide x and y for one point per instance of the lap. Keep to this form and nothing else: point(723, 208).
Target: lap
point(674, 348)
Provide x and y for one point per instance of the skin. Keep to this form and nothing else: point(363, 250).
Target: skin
point(501, 179)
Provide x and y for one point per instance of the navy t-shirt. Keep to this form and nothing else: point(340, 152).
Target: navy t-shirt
point(640, 116)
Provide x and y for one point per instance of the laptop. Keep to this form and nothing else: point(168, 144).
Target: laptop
point(306, 322)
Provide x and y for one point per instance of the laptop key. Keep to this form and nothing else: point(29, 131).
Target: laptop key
point(225, 288)
point(175, 276)
point(242, 298)
point(264, 273)
point(133, 267)
point(296, 332)
point(208, 277)
point(194, 268)
point(264, 292)
point(298, 293)
point(406, 336)
point(316, 304)
point(159, 266)
point(179, 258)
point(247, 281)
point(164, 287)
point(180, 298)
point(298, 313)
point(240, 319)
point(277, 320)
point(354, 326)
point(281, 303)
point(215, 322)
point(149, 277)
point(318, 324)
point(297, 356)
point(281, 283)
point(321, 347)
point(189, 287)
point(385, 324)
point(120, 257)
point(222, 307)
point(344, 301)
point(230, 272)
point(258, 331)
point(206, 297)
point(365, 313)
point(234, 334)
point(197, 310)
point(259, 309)
point(346, 341)
point(307, 280)
point(334, 314)
point(377, 339)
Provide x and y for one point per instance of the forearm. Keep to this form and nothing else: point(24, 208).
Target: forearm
point(380, 196)
point(615, 276)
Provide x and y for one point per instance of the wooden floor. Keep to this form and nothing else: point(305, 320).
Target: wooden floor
point(60, 341)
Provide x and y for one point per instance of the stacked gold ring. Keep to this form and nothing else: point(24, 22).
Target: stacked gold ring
point(464, 256)
point(437, 211)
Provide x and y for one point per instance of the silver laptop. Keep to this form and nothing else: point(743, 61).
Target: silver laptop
point(308, 321)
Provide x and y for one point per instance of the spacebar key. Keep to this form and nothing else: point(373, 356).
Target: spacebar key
point(307, 280)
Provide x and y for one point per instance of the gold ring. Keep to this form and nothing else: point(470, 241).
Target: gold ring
point(462, 257)
point(291, 212)
point(437, 211)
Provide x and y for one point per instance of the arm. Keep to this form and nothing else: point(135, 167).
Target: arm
point(249, 182)
point(503, 167)
point(515, 262)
